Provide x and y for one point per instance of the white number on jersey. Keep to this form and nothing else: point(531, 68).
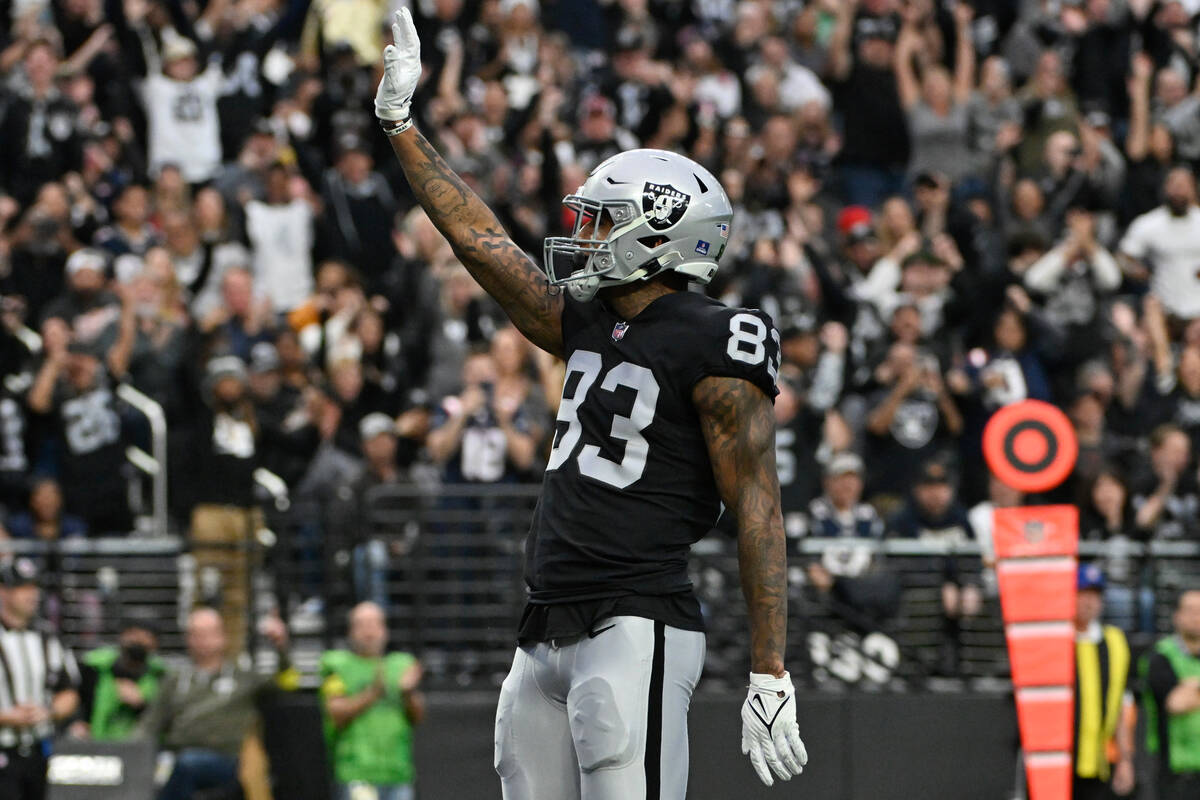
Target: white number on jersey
point(483, 452)
point(12, 437)
point(627, 429)
point(748, 340)
point(90, 422)
point(232, 437)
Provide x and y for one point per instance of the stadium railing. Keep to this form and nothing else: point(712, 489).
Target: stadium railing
point(447, 566)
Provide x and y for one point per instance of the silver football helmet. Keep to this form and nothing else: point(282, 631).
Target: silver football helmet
point(640, 213)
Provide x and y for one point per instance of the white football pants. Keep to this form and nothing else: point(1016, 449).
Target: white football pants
point(603, 717)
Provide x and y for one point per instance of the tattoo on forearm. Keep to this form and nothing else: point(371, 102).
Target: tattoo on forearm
point(480, 242)
point(739, 427)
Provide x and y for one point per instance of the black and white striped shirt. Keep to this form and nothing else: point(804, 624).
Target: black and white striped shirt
point(34, 666)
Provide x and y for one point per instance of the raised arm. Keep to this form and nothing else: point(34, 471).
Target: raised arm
point(1137, 142)
point(739, 428)
point(907, 85)
point(964, 55)
point(841, 60)
point(480, 242)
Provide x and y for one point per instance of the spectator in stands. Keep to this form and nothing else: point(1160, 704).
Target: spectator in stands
point(1006, 372)
point(179, 94)
point(1159, 247)
point(158, 361)
point(75, 390)
point(982, 519)
point(380, 468)
point(933, 514)
point(1107, 516)
point(199, 266)
point(359, 210)
point(599, 136)
point(371, 704)
point(912, 416)
point(334, 28)
point(119, 683)
point(224, 520)
point(1178, 394)
point(865, 594)
point(40, 124)
point(1070, 283)
point(205, 711)
point(45, 520)
point(1178, 110)
point(936, 104)
point(280, 230)
point(810, 382)
point(488, 433)
point(287, 417)
point(131, 231)
point(40, 242)
point(242, 319)
point(41, 680)
point(1166, 499)
point(91, 311)
point(1171, 676)
point(1103, 703)
point(991, 110)
point(861, 56)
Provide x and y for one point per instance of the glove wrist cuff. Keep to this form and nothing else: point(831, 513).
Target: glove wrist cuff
point(767, 681)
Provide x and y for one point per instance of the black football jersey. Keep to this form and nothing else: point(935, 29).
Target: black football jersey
point(628, 485)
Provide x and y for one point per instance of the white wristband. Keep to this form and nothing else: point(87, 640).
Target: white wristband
point(393, 129)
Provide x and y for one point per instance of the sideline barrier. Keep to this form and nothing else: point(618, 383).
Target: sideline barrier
point(451, 578)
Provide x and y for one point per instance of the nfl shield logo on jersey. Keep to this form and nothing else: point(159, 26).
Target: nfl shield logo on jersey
point(619, 331)
point(663, 205)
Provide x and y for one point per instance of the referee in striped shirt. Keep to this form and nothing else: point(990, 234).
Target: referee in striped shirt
point(38, 680)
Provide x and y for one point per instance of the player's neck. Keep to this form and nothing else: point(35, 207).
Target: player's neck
point(631, 299)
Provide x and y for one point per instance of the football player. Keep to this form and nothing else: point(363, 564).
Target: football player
point(666, 410)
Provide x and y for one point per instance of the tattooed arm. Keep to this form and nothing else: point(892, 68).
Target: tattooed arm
point(479, 241)
point(739, 428)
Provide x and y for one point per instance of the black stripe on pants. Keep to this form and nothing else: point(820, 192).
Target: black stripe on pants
point(654, 713)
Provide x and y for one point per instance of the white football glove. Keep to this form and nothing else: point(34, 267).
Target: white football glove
point(770, 735)
point(401, 71)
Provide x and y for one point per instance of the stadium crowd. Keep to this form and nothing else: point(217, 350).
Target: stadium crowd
point(945, 207)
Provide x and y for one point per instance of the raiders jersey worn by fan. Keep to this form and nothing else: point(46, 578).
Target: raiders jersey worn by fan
point(629, 485)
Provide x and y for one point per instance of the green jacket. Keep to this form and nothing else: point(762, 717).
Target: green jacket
point(1182, 729)
point(376, 746)
point(111, 719)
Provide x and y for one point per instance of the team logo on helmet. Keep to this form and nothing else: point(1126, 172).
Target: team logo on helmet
point(663, 205)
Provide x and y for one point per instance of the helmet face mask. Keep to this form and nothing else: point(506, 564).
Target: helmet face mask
point(632, 222)
point(580, 260)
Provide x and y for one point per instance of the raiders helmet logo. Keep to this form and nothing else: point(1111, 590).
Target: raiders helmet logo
point(663, 205)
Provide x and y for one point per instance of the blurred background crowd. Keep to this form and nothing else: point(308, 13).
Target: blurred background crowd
point(946, 207)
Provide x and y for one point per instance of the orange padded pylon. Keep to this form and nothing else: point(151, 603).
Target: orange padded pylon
point(1036, 573)
point(1037, 590)
point(1042, 654)
point(1048, 776)
point(1031, 531)
point(1045, 717)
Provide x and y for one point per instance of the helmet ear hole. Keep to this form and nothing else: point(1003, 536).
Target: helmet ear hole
point(651, 242)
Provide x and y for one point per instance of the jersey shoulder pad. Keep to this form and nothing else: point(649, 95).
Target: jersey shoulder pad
point(734, 343)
